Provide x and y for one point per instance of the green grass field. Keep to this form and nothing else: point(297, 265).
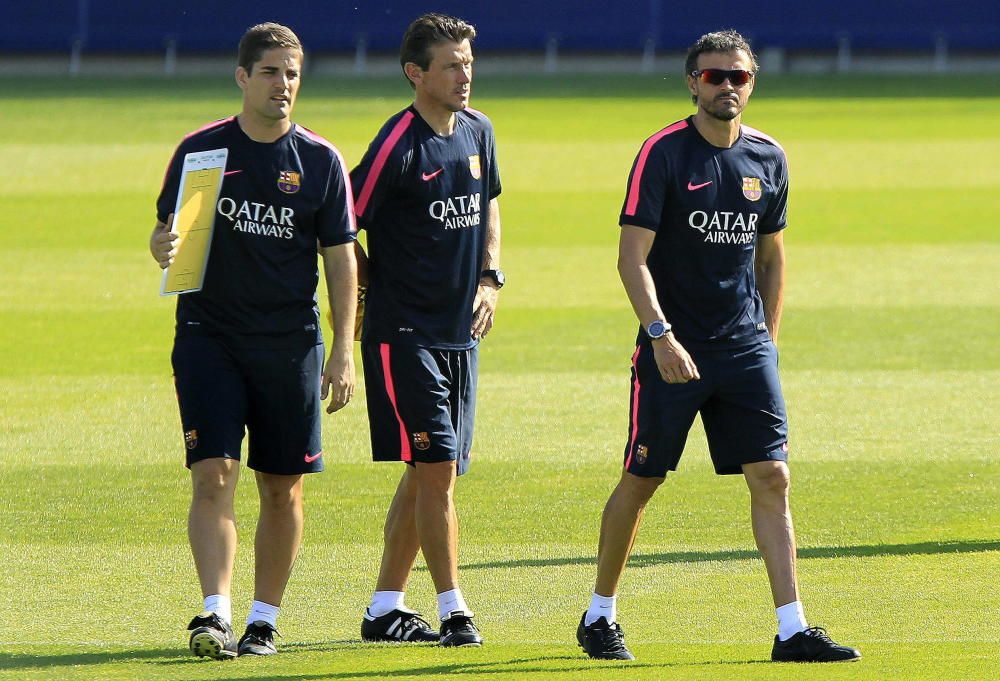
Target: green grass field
point(890, 364)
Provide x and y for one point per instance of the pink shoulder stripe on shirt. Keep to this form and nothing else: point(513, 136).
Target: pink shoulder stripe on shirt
point(764, 136)
point(315, 138)
point(343, 169)
point(380, 158)
point(633, 191)
point(209, 126)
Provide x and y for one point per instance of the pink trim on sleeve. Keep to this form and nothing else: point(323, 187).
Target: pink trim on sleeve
point(309, 134)
point(207, 126)
point(633, 190)
point(348, 190)
point(753, 132)
point(379, 163)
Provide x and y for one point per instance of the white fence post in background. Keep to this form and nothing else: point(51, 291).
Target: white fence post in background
point(772, 59)
point(82, 31)
point(844, 53)
point(652, 33)
point(361, 55)
point(648, 56)
point(76, 57)
point(940, 53)
point(552, 53)
point(170, 58)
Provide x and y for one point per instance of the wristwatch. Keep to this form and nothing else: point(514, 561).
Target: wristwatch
point(658, 329)
point(495, 275)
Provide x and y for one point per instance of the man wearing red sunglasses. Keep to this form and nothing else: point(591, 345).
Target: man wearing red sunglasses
point(702, 261)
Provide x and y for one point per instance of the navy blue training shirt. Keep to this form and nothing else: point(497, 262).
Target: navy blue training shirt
point(707, 205)
point(277, 201)
point(424, 199)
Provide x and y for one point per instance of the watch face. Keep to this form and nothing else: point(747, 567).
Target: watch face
point(656, 329)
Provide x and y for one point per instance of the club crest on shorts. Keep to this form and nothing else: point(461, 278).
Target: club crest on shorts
point(421, 441)
point(289, 181)
point(641, 453)
point(191, 439)
point(751, 188)
point(474, 168)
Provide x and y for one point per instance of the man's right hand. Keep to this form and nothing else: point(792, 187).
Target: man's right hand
point(673, 361)
point(163, 243)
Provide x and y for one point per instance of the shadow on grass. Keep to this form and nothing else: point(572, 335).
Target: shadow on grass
point(866, 550)
point(512, 667)
point(528, 665)
point(25, 661)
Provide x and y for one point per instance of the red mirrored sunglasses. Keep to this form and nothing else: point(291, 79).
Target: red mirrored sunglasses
point(737, 77)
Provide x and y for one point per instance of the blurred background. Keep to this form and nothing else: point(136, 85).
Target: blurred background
point(191, 36)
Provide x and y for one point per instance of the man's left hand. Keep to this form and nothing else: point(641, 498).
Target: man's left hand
point(338, 379)
point(483, 308)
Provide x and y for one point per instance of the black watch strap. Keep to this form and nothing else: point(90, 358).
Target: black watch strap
point(496, 275)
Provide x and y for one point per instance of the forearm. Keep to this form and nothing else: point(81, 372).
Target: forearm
point(341, 272)
point(771, 286)
point(361, 259)
point(157, 230)
point(491, 246)
point(640, 290)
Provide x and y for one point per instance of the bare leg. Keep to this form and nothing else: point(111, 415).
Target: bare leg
point(437, 522)
point(400, 533)
point(619, 525)
point(772, 526)
point(279, 533)
point(212, 523)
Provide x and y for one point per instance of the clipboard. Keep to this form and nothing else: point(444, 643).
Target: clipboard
point(194, 220)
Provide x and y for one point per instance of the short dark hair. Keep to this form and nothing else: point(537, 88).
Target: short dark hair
point(428, 30)
point(718, 41)
point(262, 37)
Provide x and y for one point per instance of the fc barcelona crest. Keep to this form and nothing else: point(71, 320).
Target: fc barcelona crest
point(641, 454)
point(751, 188)
point(288, 181)
point(474, 168)
point(421, 441)
point(191, 439)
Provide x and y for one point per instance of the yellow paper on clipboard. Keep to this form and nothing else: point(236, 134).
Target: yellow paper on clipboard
point(194, 220)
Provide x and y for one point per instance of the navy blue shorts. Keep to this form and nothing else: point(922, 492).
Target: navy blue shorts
point(273, 395)
point(740, 401)
point(421, 403)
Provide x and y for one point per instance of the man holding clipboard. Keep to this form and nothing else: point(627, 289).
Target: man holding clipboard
point(253, 195)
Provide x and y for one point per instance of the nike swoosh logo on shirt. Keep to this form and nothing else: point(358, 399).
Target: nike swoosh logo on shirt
point(428, 177)
point(310, 459)
point(692, 187)
point(231, 172)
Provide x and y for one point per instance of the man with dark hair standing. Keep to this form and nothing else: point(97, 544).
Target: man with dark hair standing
point(248, 352)
point(702, 261)
point(426, 192)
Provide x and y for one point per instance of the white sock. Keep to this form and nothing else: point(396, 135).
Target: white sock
point(384, 602)
point(451, 601)
point(221, 606)
point(601, 606)
point(263, 612)
point(791, 620)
